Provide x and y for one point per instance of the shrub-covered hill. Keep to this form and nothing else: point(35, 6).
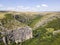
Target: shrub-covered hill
point(44, 24)
point(44, 35)
point(24, 17)
point(45, 19)
point(54, 24)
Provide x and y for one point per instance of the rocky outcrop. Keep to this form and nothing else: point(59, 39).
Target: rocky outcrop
point(22, 34)
point(19, 34)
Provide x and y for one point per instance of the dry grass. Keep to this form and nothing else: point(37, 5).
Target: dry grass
point(2, 15)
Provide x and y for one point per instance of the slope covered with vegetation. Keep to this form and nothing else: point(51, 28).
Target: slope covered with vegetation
point(44, 35)
point(43, 25)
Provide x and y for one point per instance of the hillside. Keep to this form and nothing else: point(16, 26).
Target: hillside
point(30, 28)
point(45, 19)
